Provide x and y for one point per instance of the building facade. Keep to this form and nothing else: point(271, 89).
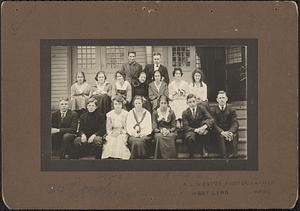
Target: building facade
point(224, 67)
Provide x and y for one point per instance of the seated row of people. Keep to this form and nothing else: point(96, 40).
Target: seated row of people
point(129, 135)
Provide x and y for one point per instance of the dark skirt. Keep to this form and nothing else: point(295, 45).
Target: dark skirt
point(165, 146)
point(139, 147)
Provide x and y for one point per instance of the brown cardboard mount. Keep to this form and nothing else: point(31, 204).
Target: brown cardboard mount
point(272, 184)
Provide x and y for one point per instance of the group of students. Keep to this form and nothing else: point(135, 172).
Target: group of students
point(120, 120)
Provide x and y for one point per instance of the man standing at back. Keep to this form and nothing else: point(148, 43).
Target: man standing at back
point(150, 68)
point(132, 68)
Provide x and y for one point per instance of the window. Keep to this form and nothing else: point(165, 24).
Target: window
point(86, 56)
point(115, 56)
point(233, 55)
point(181, 56)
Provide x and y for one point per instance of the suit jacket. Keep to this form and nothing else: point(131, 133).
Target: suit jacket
point(92, 123)
point(68, 124)
point(225, 120)
point(131, 71)
point(149, 69)
point(202, 117)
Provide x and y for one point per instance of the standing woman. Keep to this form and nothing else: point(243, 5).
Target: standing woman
point(140, 87)
point(122, 88)
point(139, 127)
point(164, 127)
point(157, 88)
point(178, 91)
point(102, 92)
point(116, 139)
point(80, 92)
point(198, 87)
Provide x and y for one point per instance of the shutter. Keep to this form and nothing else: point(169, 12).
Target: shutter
point(59, 74)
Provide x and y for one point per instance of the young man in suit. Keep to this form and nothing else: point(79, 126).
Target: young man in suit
point(151, 68)
point(131, 69)
point(63, 128)
point(92, 128)
point(226, 126)
point(196, 124)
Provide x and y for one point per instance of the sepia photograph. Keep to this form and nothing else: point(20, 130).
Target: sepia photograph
point(148, 102)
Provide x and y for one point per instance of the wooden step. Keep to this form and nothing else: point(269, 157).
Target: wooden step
point(241, 113)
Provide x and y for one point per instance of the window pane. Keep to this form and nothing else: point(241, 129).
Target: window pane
point(86, 56)
point(115, 56)
point(181, 56)
point(233, 55)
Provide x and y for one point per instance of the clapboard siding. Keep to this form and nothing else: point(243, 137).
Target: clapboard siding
point(59, 74)
point(140, 54)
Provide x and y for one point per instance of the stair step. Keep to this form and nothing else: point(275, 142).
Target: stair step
point(242, 140)
point(210, 156)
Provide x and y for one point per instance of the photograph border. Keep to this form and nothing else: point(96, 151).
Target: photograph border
point(251, 163)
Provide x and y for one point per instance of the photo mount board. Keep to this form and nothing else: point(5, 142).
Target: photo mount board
point(272, 185)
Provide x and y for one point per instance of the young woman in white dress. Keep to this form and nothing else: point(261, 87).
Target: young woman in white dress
point(178, 91)
point(122, 88)
point(116, 139)
point(80, 92)
point(199, 88)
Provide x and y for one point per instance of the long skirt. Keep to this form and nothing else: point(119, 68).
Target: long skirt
point(116, 147)
point(165, 146)
point(78, 102)
point(139, 147)
point(103, 103)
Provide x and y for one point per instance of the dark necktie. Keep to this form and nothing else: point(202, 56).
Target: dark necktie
point(194, 113)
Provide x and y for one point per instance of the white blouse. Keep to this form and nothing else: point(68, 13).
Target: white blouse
point(198, 91)
point(145, 125)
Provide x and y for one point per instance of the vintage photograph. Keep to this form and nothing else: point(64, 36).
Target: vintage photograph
point(141, 102)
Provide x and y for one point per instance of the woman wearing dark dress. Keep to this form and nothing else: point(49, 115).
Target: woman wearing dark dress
point(164, 128)
point(102, 93)
point(140, 87)
point(122, 88)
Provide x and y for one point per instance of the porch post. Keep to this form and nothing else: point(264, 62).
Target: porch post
point(148, 54)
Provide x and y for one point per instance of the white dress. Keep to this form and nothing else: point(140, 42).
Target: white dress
point(116, 139)
point(198, 91)
point(177, 94)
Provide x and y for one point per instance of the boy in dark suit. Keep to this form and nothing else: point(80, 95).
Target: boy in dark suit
point(150, 68)
point(92, 128)
point(63, 128)
point(226, 126)
point(131, 69)
point(196, 124)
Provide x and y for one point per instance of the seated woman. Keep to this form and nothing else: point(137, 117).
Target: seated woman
point(116, 139)
point(140, 87)
point(91, 131)
point(178, 91)
point(122, 88)
point(164, 127)
point(199, 88)
point(157, 88)
point(102, 92)
point(139, 128)
point(80, 92)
